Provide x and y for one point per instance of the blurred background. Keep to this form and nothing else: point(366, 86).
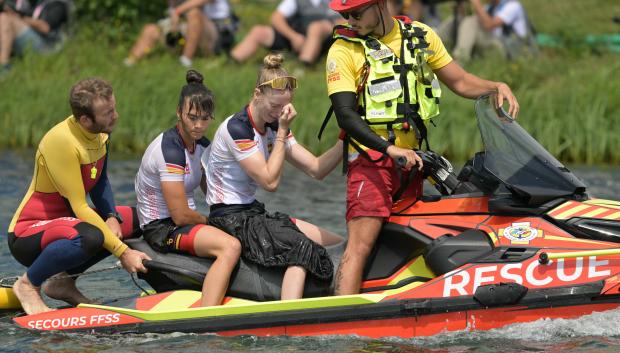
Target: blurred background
point(569, 91)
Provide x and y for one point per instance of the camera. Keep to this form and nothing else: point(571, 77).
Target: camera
point(22, 7)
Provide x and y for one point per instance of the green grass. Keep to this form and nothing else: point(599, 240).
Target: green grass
point(569, 97)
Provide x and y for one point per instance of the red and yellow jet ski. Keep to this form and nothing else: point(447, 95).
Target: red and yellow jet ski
point(514, 237)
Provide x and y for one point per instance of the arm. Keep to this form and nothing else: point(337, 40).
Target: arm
point(188, 5)
point(36, 24)
point(351, 122)
point(103, 199)
point(471, 86)
point(485, 19)
point(344, 104)
point(316, 167)
point(267, 173)
point(63, 168)
point(174, 195)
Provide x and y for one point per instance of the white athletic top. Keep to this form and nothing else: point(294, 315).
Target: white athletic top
point(217, 10)
point(167, 159)
point(288, 8)
point(236, 139)
point(511, 12)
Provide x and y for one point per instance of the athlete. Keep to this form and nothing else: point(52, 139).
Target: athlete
point(54, 230)
point(248, 151)
point(169, 173)
point(382, 82)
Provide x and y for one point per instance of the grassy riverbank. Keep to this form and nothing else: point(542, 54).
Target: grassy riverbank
point(570, 98)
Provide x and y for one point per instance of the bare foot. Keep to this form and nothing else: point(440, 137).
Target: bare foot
point(64, 289)
point(29, 296)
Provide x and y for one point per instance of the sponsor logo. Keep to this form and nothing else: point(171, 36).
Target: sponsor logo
point(331, 66)
point(520, 233)
point(334, 76)
point(74, 321)
point(530, 274)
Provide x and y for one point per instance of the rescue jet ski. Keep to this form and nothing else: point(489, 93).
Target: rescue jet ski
point(514, 237)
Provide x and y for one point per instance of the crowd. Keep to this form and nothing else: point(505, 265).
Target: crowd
point(382, 78)
point(303, 27)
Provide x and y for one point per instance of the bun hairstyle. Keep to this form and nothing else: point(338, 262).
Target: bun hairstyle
point(272, 68)
point(198, 95)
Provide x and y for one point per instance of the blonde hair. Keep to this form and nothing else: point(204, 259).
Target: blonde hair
point(272, 68)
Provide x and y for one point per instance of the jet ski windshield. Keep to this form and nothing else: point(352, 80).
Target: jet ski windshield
point(518, 161)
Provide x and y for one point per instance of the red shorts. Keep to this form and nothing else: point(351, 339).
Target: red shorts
point(370, 186)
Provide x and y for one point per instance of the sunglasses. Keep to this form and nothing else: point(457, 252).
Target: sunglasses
point(356, 15)
point(283, 82)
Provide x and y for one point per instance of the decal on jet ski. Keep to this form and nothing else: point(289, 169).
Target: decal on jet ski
point(531, 274)
point(521, 233)
point(600, 209)
point(75, 318)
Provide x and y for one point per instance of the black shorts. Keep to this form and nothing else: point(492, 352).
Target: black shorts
point(164, 236)
point(280, 42)
point(271, 239)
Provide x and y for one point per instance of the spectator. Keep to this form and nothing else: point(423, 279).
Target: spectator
point(196, 31)
point(501, 25)
point(221, 25)
point(39, 27)
point(305, 26)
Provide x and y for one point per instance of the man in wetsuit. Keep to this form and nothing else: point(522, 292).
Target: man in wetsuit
point(383, 82)
point(54, 230)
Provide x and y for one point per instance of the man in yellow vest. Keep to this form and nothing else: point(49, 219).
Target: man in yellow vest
point(382, 79)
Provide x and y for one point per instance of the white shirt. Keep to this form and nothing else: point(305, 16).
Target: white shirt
point(167, 159)
point(235, 140)
point(217, 10)
point(511, 12)
point(289, 7)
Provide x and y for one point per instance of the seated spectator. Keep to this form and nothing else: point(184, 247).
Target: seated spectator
point(418, 10)
point(221, 24)
point(206, 21)
point(501, 25)
point(39, 28)
point(304, 26)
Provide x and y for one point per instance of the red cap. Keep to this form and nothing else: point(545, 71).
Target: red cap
point(349, 5)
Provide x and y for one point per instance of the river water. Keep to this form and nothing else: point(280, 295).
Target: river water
point(317, 202)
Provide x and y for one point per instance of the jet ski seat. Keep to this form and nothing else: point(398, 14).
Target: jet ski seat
point(448, 252)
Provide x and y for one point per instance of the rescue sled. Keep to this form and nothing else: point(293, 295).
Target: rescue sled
point(513, 238)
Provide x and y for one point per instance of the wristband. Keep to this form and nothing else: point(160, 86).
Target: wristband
point(115, 215)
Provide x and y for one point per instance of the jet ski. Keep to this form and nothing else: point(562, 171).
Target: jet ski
point(513, 238)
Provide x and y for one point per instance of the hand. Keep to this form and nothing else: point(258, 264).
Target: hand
point(297, 42)
point(504, 92)
point(114, 226)
point(131, 260)
point(287, 115)
point(409, 154)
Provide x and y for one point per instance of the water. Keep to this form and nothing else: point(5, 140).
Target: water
point(317, 202)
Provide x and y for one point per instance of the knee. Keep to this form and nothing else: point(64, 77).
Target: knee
point(233, 249)
point(316, 29)
point(194, 16)
point(151, 31)
point(92, 237)
point(258, 32)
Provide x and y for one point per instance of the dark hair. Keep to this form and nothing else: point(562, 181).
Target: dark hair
point(197, 94)
point(84, 93)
